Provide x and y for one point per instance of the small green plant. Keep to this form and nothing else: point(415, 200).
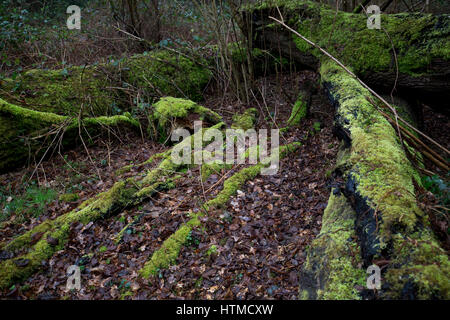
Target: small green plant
point(32, 203)
point(192, 240)
point(103, 249)
point(438, 187)
point(317, 126)
point(212, 250)
point(199, 282)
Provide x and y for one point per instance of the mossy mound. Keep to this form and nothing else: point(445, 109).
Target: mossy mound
point(69, 197)
point(246, 120)
point(417, 38)
point(63, 92)
point(171, 113)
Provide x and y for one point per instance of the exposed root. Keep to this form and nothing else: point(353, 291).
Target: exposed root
point(168, 253)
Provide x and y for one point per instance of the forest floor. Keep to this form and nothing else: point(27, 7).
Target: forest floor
point(252, 249)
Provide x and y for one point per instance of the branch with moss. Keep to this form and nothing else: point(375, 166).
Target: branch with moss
point(169, 251)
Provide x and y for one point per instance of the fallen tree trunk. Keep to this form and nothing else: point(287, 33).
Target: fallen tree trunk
point(105, 89)
point(372, 216)
point(416, 43)
point(376, 214)
point(41, 108)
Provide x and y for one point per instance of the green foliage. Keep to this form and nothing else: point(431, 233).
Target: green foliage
point(69, 197)
point(27, 21)
point(32, 203)
point(192, 240)
point(212, 250)
point(317, 126)
point(246, 120)
point(438, 187)
point(299, 111)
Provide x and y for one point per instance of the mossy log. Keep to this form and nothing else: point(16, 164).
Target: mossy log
point(301, 108)
point(27, 134)
point(378, 199)
point(422, 48)
point(103, 89)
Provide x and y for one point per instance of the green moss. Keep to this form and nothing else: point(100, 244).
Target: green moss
point(10, 271)
point(384, 177)
point(299, 111)
point(232, 184)
point(211, 168)
point(212, 250)
point(127, 168)
point(168, 253)
point(417, 38)
point(333, 265)
point(379, 163)
point(69, 197)
point(169, 111)
point(120, 196)
point(167, 166)
point(418, 262)
point(63, 92)
point(168, 73)
point(246, 120)
point(238, 52)
point(102, 249)
point(99, 89)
